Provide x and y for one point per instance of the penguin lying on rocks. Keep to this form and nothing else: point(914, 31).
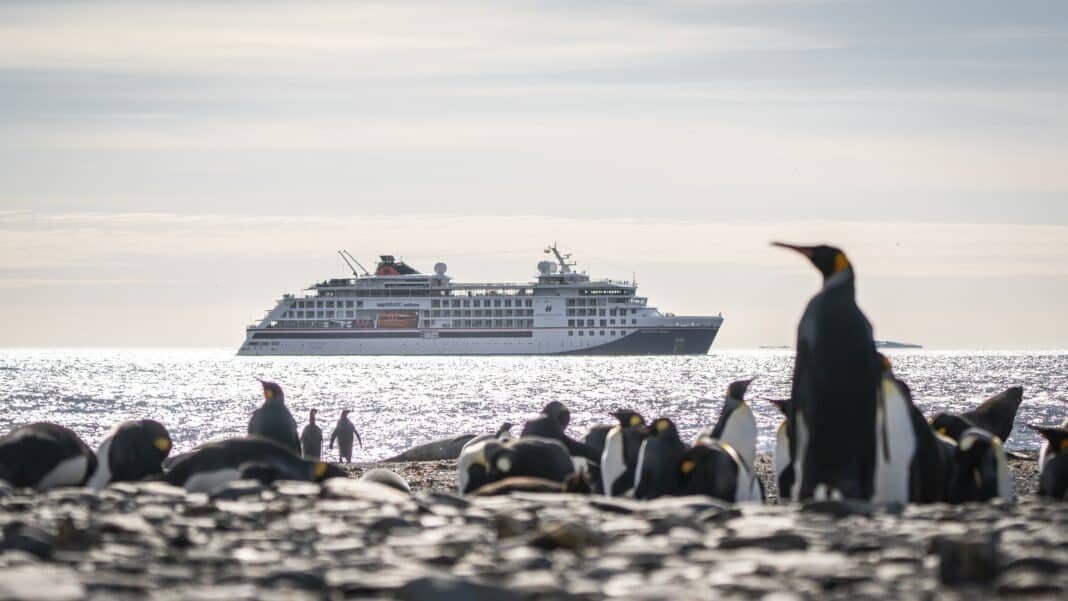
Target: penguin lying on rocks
point(996, 415)
point(214, 465)
point(551, 423)
point(619, 459)
point(45, 456)
point(576, 483)
point(1053, 462)
point(531, 456)
point(658, 461)
point(714, 468)
point(134, 450)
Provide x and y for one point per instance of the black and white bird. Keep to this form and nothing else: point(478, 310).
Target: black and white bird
point(45, 456)
point(490, 461)
point(658, 461)
point(551, 423)
point(736, 424)
point(619, 460)
point(831, 426)
point(273, 420)
point(780, 459)
point(135, 449)
point(715, 468)
point(895, 440)
point(996, 415)
point(212, 466)
point(343, 433)
point(311, 438)
point(982, 469)
point(1053, 462)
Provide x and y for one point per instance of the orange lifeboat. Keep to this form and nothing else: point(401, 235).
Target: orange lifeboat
point(395, 319)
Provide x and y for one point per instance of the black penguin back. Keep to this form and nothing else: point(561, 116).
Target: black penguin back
point(274, 421)
point(29, 453)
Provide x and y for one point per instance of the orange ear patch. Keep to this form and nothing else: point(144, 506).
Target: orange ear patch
point(840, 262)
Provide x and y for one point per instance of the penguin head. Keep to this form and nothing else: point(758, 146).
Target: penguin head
point(950, 425)
point(783, 405)
point(323, 471)
point(736, 390)
point(344, 413)
point(559, 412)
point(1056, 437)
point(978, 456)
point(311, 415)
point(628, 418)
point(828, 259)
point(704, 469)
point(262, 472)
point(663, 427)
point(272, 392)
point(505, 429)
point(138, 448)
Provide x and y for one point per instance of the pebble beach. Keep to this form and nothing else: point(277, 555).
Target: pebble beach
point(346, 539)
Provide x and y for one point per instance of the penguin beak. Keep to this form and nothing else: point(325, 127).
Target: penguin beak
point(805, 250)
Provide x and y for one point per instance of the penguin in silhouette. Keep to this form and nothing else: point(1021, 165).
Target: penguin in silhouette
point(45, 456)
point(996, 415)
point(831, 427)
point(780, 460)
point(311, 438)
point(1053, 462)
point(982, 469)
point(133, 451)
point(212, 466)
point(531, 456)
point(659, 460)
point(273, 420)
point(713, 467)
point(551, 423)
point(619, 460)
point(736, 425)
point(343, 434)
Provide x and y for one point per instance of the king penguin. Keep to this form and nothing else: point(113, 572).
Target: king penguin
point(1053, 462)
point(982, 469)
point(619, 460)
point(895, 440)
point(273, 420)
point(45, 456)
point(736, 425)
point(311, 438)
point(713, 467)
point(212, 466)
point(780, 460)
point(658, 462)
point(836, 379)
point(134, 450)
point(551, 423)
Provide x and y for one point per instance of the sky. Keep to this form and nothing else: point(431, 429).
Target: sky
point(169, 169)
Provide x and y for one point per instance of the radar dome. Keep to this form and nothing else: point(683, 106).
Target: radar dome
point(545, 267)
point(440, 268)
point(553, 268)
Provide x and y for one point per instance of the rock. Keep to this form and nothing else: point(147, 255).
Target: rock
point(966, 560)
point(344, 488)
point(572, 536)
point(25, 537)
point(838, 509)
point(436, 588)
point(776, 542)
point(41, 583)
point(386, 477)
point(437, 450)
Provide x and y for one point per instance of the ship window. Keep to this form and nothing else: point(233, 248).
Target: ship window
point(348, 313)
point(477, 303)
point(455, 303)
point(570, 332)
point(633, 321)
point(318, 304)
point(496, 303)
point(530, 303)
point(612, 333)
point(319, 314)
point(633, 311)
point(602, 332)
point(570, 322)
point(348, 304)
point(359, 303)
point(581, 333)
point(611, 322)
point(467, 303)
point(601, 312)
point(602, 323)
point(589, 323)
point(435, 303)
point(570, 302)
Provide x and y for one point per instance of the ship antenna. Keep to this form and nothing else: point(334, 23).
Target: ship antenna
point(346, 256)
point(565, 266)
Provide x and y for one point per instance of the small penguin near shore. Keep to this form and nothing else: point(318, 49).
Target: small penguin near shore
point(272, 420)
point(619, 459)
point(45, 456)
point(831, 426)
point(311, 438)
point(996, 415)
point(736, 425)
point(658, 461)
point(214, 465)
point(780, 459)
point(1053, 462)
point(343, 433)
point(135, 449)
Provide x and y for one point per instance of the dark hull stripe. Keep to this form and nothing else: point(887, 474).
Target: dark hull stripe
point(658, 341)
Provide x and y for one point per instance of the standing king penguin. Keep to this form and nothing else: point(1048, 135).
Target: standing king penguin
point(661, 454)
point(836, 379)
point(780, 461)
point(895, 439)
point(45, 456)
point(134, 450)
point(273, 420)
point(619, 460)
point(736, 425)
point(343, 433)
point(311, 438)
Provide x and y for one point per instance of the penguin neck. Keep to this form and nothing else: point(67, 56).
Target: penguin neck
point(844, 279)
point(274, 402)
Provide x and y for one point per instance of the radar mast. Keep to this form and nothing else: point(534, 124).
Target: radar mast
point(562, 259)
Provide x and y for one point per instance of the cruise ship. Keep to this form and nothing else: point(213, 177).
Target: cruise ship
point(397, 310)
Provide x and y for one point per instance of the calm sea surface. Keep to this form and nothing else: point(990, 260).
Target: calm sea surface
point(396, 402)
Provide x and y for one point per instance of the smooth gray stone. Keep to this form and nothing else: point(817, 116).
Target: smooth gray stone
point(437, 450)
point(18, 536)
point(966, 560)
point(390, 478)
point(41, 583)
point(436, 588)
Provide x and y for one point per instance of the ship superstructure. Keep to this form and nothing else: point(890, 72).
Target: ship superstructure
point(399, 311)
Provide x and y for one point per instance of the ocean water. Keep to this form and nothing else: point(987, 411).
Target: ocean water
point(397, 402)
